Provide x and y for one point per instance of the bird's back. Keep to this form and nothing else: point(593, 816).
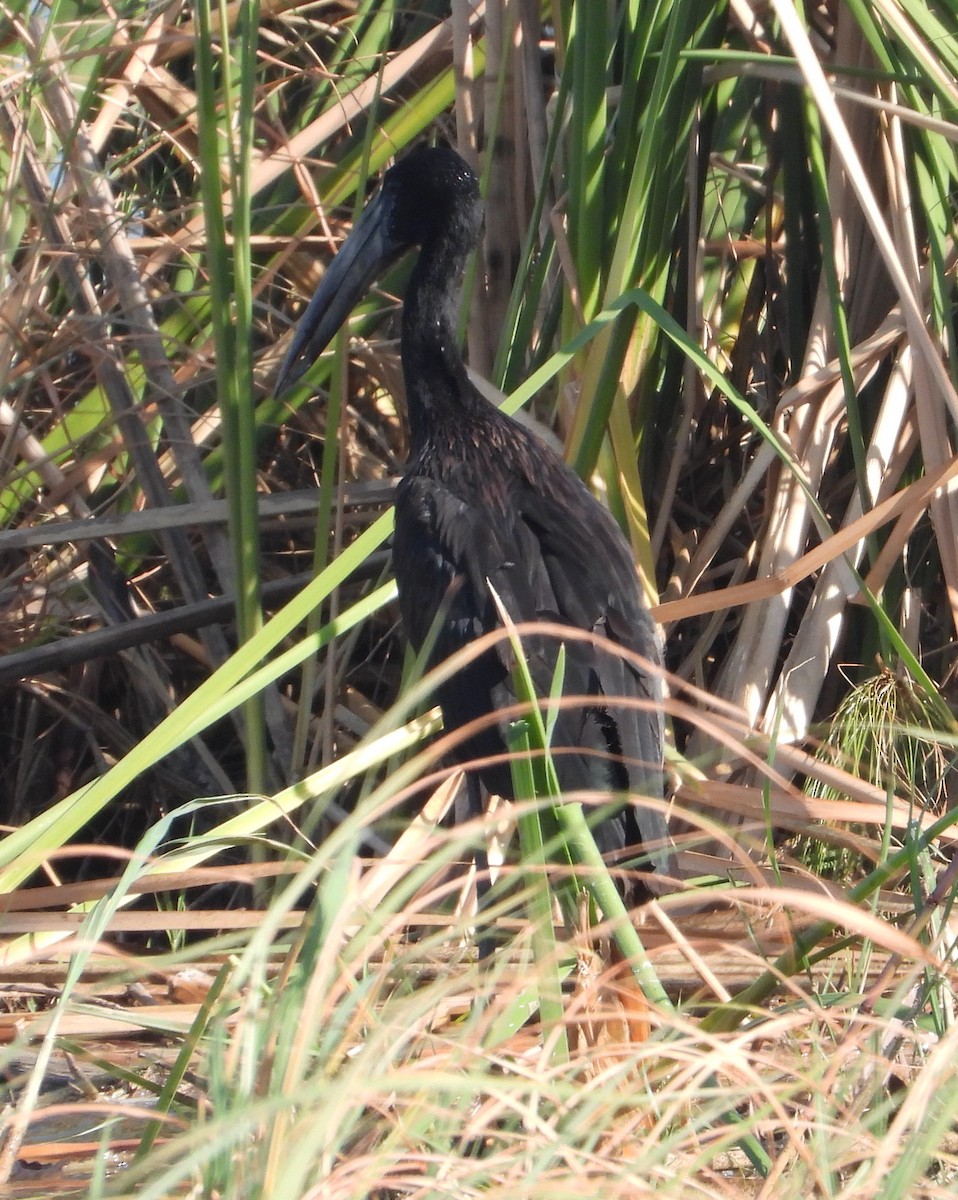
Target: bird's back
point(485, 503)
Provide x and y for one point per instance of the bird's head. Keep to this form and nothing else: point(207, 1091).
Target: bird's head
point(430, 198)
point(430, 194)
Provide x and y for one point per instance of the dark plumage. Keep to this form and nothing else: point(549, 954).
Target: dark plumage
point(484, 500)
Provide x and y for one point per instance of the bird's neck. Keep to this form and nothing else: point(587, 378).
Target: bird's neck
point(437, 386)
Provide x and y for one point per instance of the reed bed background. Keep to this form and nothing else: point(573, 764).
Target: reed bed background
point(718, 270)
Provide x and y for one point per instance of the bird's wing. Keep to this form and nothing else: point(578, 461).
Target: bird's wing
point(592, 585)
point(576, 567)
point(546, 560)
point(444, 549)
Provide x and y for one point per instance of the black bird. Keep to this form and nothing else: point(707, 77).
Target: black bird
point(482, 502)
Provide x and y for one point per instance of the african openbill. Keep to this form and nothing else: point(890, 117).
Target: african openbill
point(483, 501)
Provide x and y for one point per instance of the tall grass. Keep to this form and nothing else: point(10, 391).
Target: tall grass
point(718, 268)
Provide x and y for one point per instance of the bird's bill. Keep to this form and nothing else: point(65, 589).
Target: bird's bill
point(362, 256)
